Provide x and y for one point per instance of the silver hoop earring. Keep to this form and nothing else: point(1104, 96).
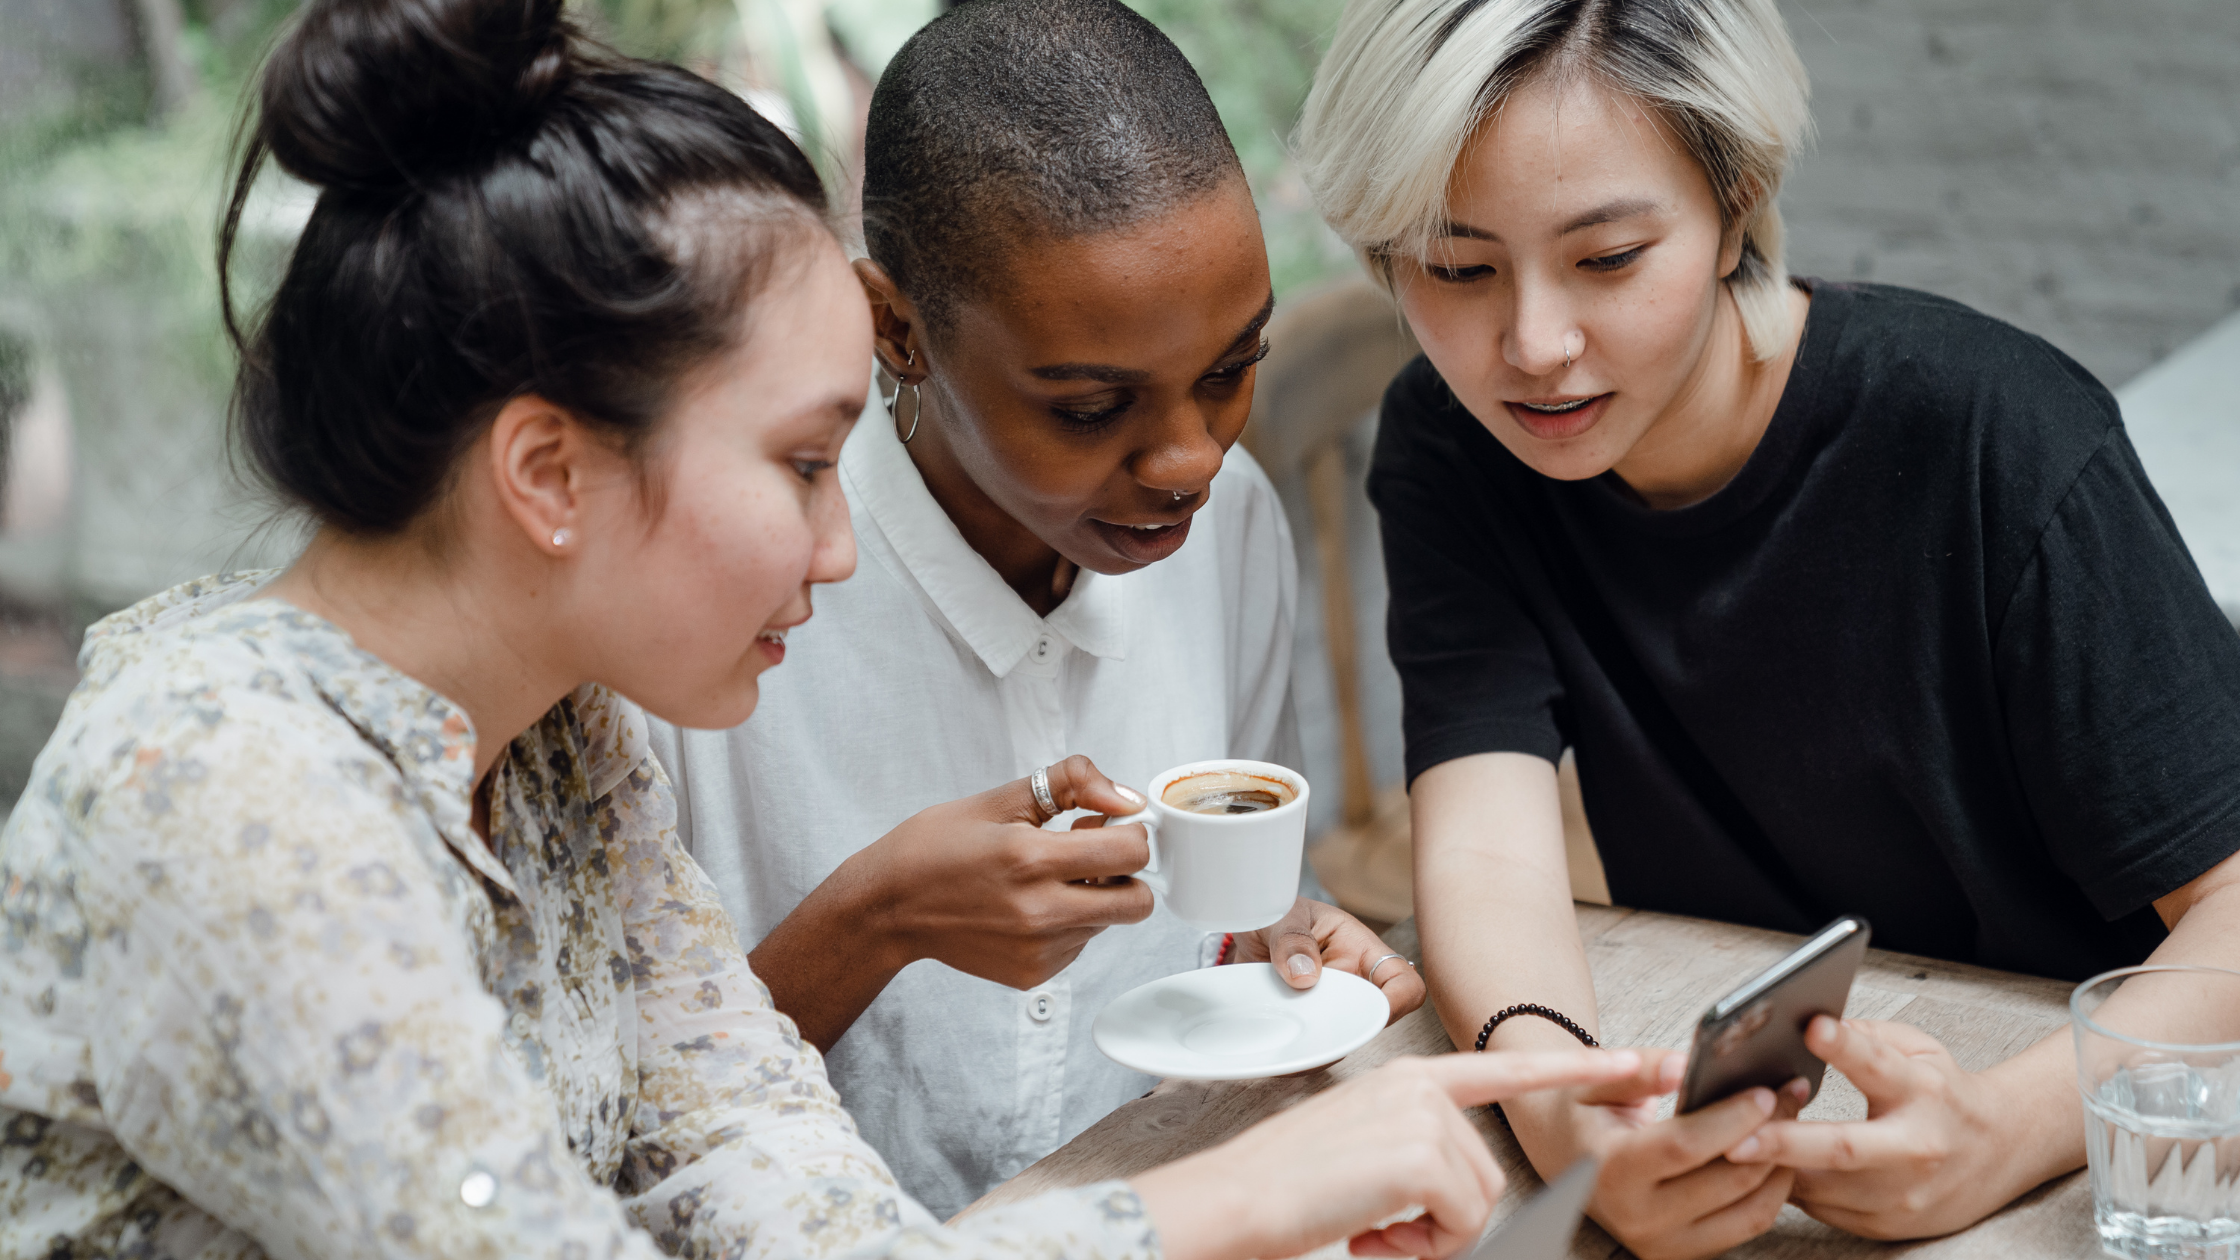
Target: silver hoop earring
point(917, 408)
point(917, 401)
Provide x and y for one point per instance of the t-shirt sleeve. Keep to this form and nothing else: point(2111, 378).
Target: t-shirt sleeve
point(2120, 679)
point(1475, 671)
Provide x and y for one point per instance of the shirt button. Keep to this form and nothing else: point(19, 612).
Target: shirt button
point(1042, 649)
point(1039, 1005)
point(478, 1189)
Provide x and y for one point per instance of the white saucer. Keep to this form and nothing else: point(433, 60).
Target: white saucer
point(1239, 1022)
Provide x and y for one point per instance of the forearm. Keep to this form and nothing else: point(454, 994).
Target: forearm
point(2042, 1080)
point(827, 961)
point(1493, 909)
point(1196, 1206)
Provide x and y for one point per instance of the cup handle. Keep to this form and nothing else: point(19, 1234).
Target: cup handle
point(1150, 874)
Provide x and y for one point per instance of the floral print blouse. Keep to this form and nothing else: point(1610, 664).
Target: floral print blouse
point(264, 992)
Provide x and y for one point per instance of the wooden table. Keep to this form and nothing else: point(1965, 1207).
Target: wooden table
point(1654, 975)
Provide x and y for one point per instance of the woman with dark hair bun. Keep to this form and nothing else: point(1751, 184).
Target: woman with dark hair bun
point(1068, 567)
point(346, 914)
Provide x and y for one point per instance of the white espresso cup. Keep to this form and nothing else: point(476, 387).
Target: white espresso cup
point(1225, 872)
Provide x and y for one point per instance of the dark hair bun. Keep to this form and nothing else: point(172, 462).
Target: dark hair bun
point(375, 94)
point(508, 210)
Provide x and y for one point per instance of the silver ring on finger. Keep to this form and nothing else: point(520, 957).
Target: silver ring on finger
point(1040, 782)
point(1371, 974)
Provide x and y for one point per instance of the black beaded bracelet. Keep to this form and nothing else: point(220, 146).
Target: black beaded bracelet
point(1549, 1013)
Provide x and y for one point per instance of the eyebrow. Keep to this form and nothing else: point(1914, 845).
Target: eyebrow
point(1607, 212)
point(1107, 374)
point(1611, 212)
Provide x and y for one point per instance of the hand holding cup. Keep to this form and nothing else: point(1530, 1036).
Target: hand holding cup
point(980, 886)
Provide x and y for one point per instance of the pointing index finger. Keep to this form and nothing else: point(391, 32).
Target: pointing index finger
point(1472, 1080)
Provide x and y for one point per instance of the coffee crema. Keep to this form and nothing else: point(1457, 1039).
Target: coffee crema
point(1227, 792)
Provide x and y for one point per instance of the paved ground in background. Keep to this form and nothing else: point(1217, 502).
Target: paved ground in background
point(2072, 166)
point(36, 674)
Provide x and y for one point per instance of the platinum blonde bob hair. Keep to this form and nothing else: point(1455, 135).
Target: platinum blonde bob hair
point(1408, 82)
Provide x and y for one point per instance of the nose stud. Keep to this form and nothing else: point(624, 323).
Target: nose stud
point(1178, 496)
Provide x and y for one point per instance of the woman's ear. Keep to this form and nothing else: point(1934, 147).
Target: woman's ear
point(894, 323)
point(538, 454)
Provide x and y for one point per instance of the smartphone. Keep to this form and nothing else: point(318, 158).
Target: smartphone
point(1755, 1035)
point(1543, 1228)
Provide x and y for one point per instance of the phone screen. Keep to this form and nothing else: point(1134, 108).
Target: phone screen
point(1755, 1035)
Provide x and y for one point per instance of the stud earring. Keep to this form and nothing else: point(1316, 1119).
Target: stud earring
point(1178, 496)
point(562, 536)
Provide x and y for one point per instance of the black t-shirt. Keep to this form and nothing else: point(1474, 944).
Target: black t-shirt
point(1935, 656)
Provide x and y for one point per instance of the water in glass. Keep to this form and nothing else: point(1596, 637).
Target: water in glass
point(2162, 1116)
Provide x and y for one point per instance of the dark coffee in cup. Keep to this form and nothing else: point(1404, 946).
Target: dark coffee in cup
point(1226, 838)
point(1226, 792)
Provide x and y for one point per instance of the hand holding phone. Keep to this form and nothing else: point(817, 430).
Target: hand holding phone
point(1755, 1035)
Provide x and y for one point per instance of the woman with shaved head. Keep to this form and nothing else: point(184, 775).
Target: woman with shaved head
point(1066, 566)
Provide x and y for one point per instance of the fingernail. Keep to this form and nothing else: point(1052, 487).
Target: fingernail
point(1129, 794)
point(1745, 1148)
point(1301, 965)
point(1764, 1098)
point(1799, 1089)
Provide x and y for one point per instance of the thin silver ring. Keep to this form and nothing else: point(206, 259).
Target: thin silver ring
point(1371, 974)
point(1040, 782)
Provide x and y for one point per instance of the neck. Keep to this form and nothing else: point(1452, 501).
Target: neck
point(1028, 565)
point(1719, 416)
point(436, 621)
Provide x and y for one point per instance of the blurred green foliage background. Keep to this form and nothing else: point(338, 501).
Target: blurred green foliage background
point(116, 120)
point(119, 174)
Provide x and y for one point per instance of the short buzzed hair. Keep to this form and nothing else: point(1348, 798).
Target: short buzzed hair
point(1005, 121)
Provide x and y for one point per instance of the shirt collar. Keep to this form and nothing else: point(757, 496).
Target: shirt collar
point(425, 736)
point(888, 495)
point(429, 739)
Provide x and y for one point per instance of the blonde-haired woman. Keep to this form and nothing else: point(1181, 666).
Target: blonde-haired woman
point(1849, 598)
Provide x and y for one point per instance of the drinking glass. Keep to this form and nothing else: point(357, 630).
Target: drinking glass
point(2158, 1063)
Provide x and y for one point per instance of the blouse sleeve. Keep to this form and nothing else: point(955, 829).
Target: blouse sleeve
point(288, 1023)
point(740, 1146)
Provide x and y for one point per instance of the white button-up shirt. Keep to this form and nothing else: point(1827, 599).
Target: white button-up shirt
point(924, 678)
